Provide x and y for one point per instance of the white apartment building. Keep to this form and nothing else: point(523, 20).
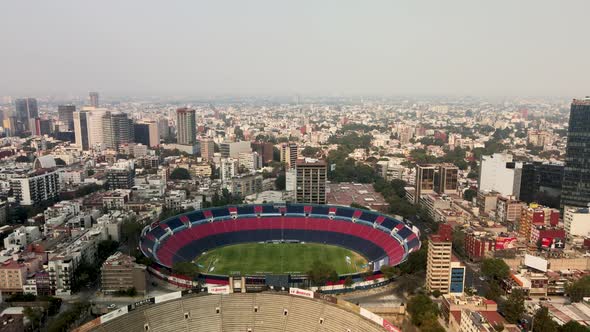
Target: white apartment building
point(500, 173)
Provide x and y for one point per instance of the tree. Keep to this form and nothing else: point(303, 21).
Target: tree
point(390, 271)
point(436, 293)
point(281, 181)
point(543, 322)
point(469, 194)
point(60, 162)
point(358, 206)
point(422, 309)
point(180, 173)
point(514, 306)
point(579, 289)
point(320, 273)
point(311, 152)
point(495, 268)
point(188, 269)
point(34, 315)
point(572, 326)
point(493, 291)
point(348, 281)
point(105, 249)
point(23, 159)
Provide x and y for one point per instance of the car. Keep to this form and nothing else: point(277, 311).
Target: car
point(548, 299)
point(543, 299)
point(529, 298)
point(112, 306)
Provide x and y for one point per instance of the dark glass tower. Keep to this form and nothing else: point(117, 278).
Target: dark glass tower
point(576, 178)
point(26, 110)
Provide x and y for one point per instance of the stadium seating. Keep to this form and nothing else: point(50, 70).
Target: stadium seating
point(260, 312)
point(215, 227)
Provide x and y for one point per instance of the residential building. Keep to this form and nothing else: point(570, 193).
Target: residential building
point(425, 175)
point(120, 273)
point(447, 179)
point(186, 125)
point(228, 168)
point(439, 260)
point(36, 186)
point(265, 150)
point(311, 181)
point(289, 154)
point(121, 175)
point(207, 149)
point(245, 185)
point(233, 149)
point(576, 180)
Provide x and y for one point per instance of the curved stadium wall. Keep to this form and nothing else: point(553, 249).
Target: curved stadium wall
point(381, 239)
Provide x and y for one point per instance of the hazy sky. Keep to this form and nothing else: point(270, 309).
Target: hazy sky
point(203, 48)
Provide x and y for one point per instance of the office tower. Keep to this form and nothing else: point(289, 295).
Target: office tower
point(424, 181)
point(65, 114)
point(447, 179)
point(311, 181)
point(25, 111)
point(289, 154)
point(163, 128)
point(265, 150)
point(93, 99)
point(36, 186)
point(438, 266)
point(81, 129)
point(575, 190)
point(94, 124)
point(147, 133)
point(541, 183)
point(207, 149)
point(44, 126)
point(186, 126)
point(233, 149)
point(500, 173)
point(117, 129)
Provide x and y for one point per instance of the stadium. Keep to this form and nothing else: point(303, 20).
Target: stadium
point(357, 242)
point(294, 310)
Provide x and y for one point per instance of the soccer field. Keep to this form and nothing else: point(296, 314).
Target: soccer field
point(278, 258)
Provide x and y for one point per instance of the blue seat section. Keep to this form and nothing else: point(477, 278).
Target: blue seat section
point(245, 210)
point(413, 243)
point(174, 223)
point(344, 212)
point(364, 247)
point(389, 223)
point(295, 209)
point(404, 233)
point(158, 232)
point(321, 210)
point(196, 216)
point(220, 212)
point(269, 209)
point(368, 216)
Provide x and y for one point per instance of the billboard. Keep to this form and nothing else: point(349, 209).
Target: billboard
point(167, 297)
point(552, 243)
point(535, 262)
point(113, 314)
point(301, 292)
point(389, 327)
point(218, 289)
point(503, 243)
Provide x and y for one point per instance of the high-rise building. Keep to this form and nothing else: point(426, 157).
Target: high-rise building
point(207, 149)
point(499, 172)
point(233, 149)
point(228, 168)
point(438, 268)
point(94, 124)
point(186, 126)
point(447, 179)
point(117, 129)
point(25, 111)
point(541, 182)
point(81, 129)
point(120, 272)
point(147, 133)
point(311, 181)
point(93, 99)
point(265, 150)
point(36, 186)
point(65, 114)
point(121, 175)
point(289, 154)
point(575, 190)
point(425, 175)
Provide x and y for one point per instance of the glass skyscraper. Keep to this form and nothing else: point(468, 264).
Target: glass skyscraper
point(576, 178)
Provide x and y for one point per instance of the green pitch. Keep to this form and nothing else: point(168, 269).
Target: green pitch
point(278, 258)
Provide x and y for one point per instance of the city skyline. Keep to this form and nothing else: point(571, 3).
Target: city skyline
point(332, 49)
